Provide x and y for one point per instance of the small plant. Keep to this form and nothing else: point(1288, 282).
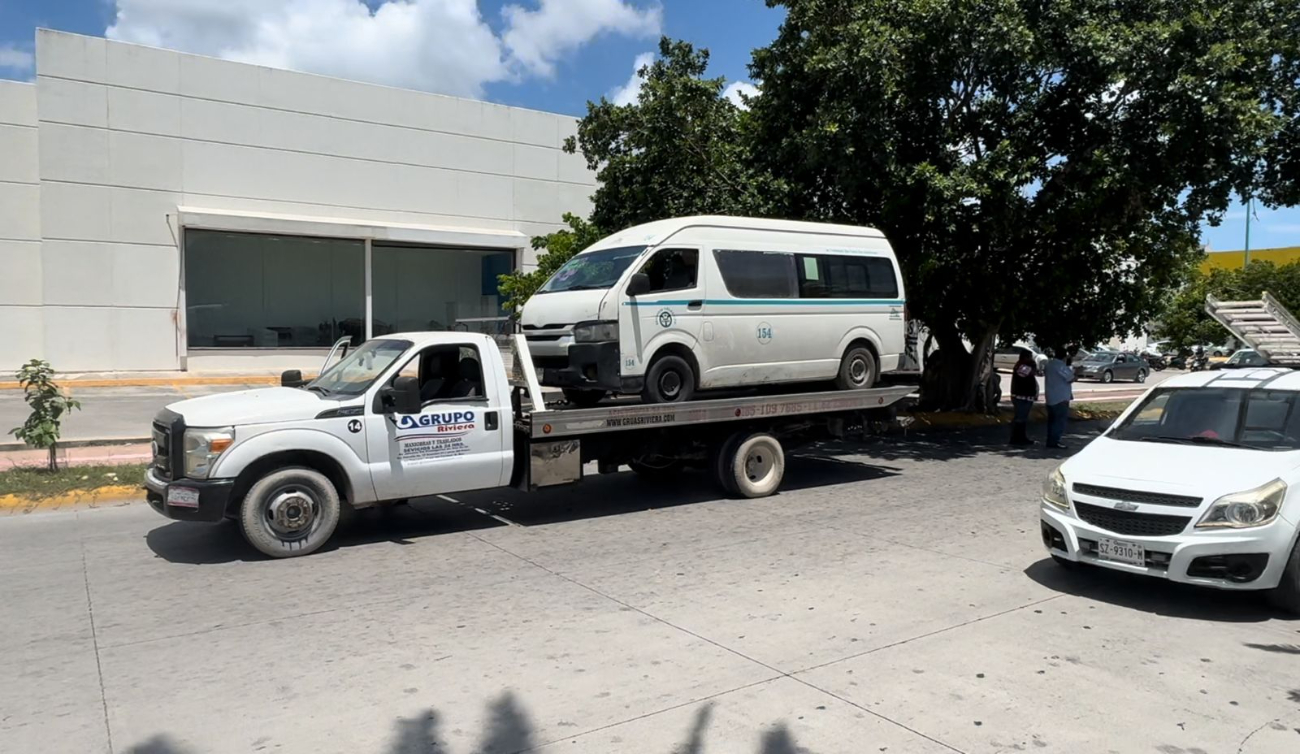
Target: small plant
point(49, 404)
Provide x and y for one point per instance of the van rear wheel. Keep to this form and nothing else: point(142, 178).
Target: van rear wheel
point(670, 379)
point(858, 369)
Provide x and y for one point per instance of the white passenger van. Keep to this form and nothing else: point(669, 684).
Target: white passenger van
point(669, 307)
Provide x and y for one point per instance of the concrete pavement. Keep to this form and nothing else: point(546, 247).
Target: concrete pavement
point(894, 598)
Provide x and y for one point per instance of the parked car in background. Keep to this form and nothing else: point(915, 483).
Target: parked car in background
point(1006, 358)
point(1246, 358)
point(1215, 351)
point(1108, 367)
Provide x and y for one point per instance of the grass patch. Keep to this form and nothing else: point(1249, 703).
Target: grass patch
point(42, 483)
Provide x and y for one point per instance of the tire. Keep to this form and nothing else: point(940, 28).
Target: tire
point(1065, 563)
point(657, 470)
point(306, 504)
point(1286, 596)
point(858, 369)
point(670, 379)
point(757, 466)
point(720, 460)
point(1108, 376)
point(583, 398)
point(1141, 376)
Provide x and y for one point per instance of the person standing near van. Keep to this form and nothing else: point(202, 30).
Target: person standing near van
point(1024, 391)
point(1059, 375)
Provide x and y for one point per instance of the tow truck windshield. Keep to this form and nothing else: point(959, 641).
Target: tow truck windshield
point(596, 270)
point(359, 369)
point(1227, 417)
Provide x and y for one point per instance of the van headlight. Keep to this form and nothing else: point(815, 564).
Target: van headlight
point(1054, 490)
point(1242, 510)
point(203, 447)
point(595, 332)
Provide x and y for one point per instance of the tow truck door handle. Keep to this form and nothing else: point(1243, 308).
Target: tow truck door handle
point(490, 420)
point(694, 304)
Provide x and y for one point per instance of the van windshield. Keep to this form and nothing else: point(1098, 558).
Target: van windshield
point(1231, 417)
point(594, 270)
point(355, 373)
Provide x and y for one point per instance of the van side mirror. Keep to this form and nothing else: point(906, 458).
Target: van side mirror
point(292, 378)
point(639, 285)
point(403, 397)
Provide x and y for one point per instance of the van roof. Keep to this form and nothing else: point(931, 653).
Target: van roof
point(650, 234)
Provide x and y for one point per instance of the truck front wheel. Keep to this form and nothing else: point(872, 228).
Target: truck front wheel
point(290, 512)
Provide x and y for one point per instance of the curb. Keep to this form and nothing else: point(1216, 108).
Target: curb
point(17, 505)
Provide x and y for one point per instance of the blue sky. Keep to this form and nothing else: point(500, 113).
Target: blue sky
point(550, 55)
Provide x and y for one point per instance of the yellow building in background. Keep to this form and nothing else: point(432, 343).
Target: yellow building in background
point(1235, 259)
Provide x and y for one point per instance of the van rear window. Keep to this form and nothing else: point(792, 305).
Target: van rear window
point(838, 276)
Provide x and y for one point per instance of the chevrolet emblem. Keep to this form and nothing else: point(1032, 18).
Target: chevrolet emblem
point(1125, 507)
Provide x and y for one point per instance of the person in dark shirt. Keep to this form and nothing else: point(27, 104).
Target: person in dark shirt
point(1024, 391)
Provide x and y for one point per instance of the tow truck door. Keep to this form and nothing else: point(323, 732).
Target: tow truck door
point(457, 441)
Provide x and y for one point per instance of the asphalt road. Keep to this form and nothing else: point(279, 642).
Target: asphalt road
point(893, 598)
point(126, 412)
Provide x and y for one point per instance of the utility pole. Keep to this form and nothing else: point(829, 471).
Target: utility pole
point(1250, 205)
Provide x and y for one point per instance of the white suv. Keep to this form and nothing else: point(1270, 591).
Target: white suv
point(1196, 482)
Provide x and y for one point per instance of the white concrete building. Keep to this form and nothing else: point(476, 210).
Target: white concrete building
point(163, 211)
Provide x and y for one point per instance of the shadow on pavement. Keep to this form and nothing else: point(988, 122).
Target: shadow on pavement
point(596, 497)
point(1156, 596)
point(951, 445)
point(509, 731)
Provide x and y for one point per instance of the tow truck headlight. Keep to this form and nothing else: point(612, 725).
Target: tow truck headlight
point(203, 447)
point(595, 332)
point(1054, 490)
point(1242, 510)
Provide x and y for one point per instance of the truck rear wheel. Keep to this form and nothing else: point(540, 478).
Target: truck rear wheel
point(290, 512)
point(755, 466)
point(1286, 596)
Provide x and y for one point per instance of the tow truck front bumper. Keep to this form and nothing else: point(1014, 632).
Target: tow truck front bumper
point(206, 500)
point(1233, 559)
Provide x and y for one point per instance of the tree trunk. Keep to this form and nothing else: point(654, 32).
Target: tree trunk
point(54, 459)
point(960, 380)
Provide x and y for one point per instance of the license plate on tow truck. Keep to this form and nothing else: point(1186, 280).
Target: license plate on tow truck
point(1120, 551)
point(182, 497)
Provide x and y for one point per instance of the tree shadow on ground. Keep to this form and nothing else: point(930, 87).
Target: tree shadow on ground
point(509, 730)
point(598, 496)
point(957, 444)
point(1155, 596)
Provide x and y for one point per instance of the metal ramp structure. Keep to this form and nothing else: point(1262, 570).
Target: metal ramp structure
point(1264, 325)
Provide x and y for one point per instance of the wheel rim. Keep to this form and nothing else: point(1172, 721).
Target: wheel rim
point(670, 385)
point(760, 463)
point(1142, 376)
point(292, 514)
point(858, 370)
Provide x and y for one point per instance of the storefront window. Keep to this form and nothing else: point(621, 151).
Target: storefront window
point(245, 290)
point(423, 288)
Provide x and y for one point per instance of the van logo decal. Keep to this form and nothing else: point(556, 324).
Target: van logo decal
point(764, 333)
point(665, 317)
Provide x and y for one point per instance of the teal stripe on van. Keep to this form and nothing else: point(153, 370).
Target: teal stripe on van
point(774, 302)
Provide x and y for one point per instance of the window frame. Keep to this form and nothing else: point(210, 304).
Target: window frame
point(418, 357)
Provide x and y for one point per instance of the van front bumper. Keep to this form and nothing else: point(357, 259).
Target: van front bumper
point(213, 504)
point(591, 366)
point(1236, 559)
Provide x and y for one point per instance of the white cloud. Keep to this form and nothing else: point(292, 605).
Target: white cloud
point(12, 58)
point(627, 93)
point(436, 45)
point(735, 89)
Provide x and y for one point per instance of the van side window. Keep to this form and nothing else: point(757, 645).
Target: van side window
point(672, 269)
point(757, 274)
point(836, 276)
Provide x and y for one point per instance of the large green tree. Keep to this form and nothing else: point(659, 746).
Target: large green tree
point(1185, 324)
point(1040, 166)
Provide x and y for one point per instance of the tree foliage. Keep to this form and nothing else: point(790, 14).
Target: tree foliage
point(48, 404)
point(556, 249)
point(1185, 324)
point(1040, 166)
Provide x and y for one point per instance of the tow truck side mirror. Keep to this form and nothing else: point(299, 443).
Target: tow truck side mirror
point(639, 285)
point(403, 397)
point(292, 378)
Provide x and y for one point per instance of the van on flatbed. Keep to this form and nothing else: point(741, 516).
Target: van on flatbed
point(420, 414)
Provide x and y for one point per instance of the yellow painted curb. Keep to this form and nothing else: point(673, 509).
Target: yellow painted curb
point(73, 384)
point(117, 493)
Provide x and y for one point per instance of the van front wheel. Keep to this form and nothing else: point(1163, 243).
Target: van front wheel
point(669, 379)
point(858, 369)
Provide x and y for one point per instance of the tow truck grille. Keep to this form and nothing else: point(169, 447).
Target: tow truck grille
point(162, 443)
point(1134, 496)
point(1133, 524)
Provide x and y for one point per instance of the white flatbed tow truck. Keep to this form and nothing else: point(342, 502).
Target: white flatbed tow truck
point(421, 414)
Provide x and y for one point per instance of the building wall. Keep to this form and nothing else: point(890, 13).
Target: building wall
point(21, 318)
point(128, 134)
point(1236, 259)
